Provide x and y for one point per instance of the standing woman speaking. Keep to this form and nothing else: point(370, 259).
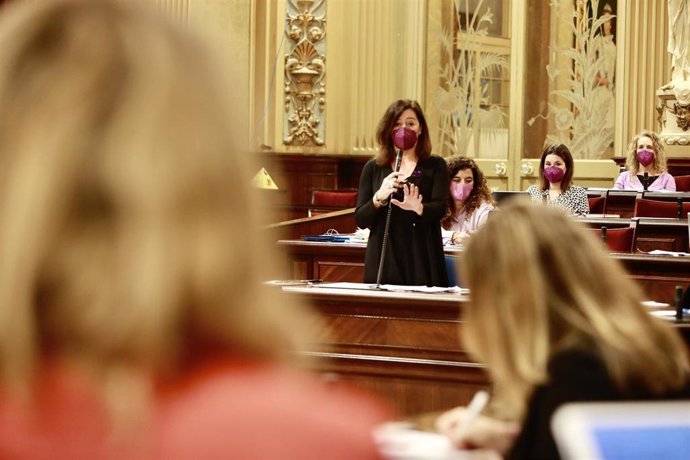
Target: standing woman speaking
point(416, 190)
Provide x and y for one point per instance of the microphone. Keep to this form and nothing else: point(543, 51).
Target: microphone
point(679, 303)
point(398, 160)
point(603, 233)
point(679, 208)
point(645, 180)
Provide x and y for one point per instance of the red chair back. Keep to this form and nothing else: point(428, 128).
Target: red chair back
point(335, 198)
point(656, 208)
point(331, 200)
point(682, 183)
point(619, 239)
point(597, 204)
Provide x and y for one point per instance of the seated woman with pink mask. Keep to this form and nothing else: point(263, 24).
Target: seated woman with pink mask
point(469, 202)
point(555, 187)
point(646, 166)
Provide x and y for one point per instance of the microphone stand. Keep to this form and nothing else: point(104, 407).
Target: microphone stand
point(645, 181)
point(398, 159)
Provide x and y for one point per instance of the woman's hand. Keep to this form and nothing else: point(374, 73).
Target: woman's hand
point(412, 200)
point(459, 237)
point(484, 433)
point(389, 185)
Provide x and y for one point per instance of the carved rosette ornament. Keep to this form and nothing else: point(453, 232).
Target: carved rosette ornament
point(305, 88)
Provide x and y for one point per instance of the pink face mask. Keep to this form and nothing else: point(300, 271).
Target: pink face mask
point(645, 157)
point(461, 190)
point(404, 138)
point(554, 174)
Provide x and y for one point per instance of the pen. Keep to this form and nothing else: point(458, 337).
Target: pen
point(474, 408)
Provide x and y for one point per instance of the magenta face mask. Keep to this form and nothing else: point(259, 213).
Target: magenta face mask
point(645, 157)
point(460, 191)
point(404, 138)
point(554, 174)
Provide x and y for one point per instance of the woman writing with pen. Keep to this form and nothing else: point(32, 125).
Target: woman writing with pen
point(555, 321)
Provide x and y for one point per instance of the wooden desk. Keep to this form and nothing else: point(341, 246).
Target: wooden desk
point(343, 221)
point(657, 275)
point(404, 346)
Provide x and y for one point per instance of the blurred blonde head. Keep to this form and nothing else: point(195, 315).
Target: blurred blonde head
point(128, 226)
point(540, 284)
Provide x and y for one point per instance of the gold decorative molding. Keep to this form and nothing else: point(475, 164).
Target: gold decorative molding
point(305, 88)
point(673, 118)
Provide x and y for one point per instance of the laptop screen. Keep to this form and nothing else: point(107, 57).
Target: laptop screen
point(623, 430)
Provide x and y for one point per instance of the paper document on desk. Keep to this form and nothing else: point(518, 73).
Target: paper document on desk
point(659, 252)
point(394, 288)
point(399, 441)
point(427, 289)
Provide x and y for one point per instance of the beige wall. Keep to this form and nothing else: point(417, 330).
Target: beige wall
point(228, 26)
point(644, 67)
point(379, 50)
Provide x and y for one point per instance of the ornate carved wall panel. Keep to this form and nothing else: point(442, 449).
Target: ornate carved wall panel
point(374, 55)
point(305, 72)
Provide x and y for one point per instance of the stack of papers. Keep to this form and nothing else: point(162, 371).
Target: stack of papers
point(399, 441)
point(659, 252)
point(395, 288)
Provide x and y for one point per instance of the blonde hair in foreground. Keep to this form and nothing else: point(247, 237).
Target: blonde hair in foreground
point(541, 284)
point(128, 227)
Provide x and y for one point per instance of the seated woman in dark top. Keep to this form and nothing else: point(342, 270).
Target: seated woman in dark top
point(556, 320)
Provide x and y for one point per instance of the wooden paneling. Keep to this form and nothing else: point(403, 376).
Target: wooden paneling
point(406, 347)
point(297, 175)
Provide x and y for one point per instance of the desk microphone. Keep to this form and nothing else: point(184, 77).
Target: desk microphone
point(603, 233)
point(679, 208)
point(645, 180)
point(679, 303)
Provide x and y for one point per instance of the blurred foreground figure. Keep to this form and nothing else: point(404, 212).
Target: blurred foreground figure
point(555, 320)
point(133, 321)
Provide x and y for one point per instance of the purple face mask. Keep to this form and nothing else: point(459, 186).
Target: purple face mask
point(645, 157)
point(554, 174)
point(404, 138)
point(461, 190)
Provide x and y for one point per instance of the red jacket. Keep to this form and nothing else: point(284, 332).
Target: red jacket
point(222, 409)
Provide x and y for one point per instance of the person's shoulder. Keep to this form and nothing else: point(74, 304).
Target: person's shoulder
point(578, 190)
point(577, 367)
point(371, 163)
point(532, 189)
point(263, 410)
point(435, 161)
point(485, 206)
